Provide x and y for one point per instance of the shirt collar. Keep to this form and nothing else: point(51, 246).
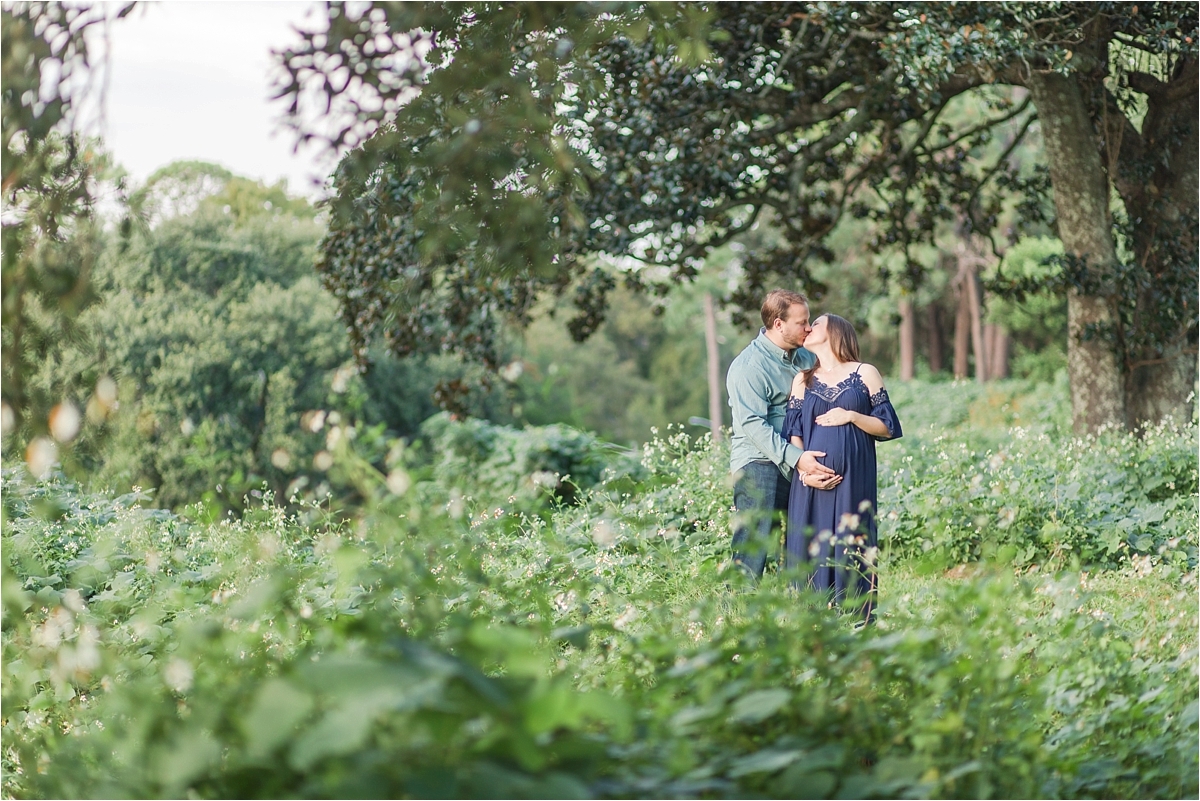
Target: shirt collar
point(772, 349)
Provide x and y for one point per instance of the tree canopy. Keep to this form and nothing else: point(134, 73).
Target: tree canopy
point(520, 141)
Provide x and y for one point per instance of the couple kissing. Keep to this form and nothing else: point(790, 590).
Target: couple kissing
point(806, 415)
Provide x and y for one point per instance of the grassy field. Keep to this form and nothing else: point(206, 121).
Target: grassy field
point(1036, 636)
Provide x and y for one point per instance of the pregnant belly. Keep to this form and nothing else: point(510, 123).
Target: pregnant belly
point(831, 440)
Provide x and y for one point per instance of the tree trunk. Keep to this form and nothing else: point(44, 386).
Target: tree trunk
point(907, 335)
point(1157, 172)
point(1157, 391)
point(975, 306)
point(714, 366)
point(989, 343)
point(935, 339)
point(1001, 346)
point(1081, 202)
point(962, 330)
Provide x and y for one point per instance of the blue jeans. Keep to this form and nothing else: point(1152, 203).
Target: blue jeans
point(759, 495)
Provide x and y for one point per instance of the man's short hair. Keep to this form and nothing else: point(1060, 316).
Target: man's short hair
point(777, 303)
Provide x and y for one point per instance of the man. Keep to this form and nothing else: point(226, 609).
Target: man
point(759, 383)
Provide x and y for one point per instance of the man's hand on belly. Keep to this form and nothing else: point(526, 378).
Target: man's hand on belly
point(808, 463)
point(814, 474)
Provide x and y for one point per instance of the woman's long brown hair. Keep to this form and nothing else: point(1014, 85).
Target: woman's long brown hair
point(843, 341)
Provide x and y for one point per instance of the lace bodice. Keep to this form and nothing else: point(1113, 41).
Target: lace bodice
point(830, 394)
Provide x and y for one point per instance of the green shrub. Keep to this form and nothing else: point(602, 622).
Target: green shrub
point(496, 463)
point(1035, 496)
point(983, 471)
point(591, 649)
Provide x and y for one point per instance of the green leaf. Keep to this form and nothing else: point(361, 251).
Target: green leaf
point(1154, 513)
point(187, 757)
point(1112, 540)
point(758, 705)
point(803, 780)
point(550, 708)
point(340, 731)
point(277, 709)
point(575, 635)
point(256, 599)
point(341, 676)
point(766, 761)
point(517, 649)
point(348, 561)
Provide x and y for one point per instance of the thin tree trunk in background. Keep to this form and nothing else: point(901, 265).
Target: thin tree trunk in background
point(907, 334)
point(714, 366)
point(989, 344)
point(1084, 226)
point(935, 339)
point(1001, 346)
point(996, 347)
point(962, 330)
point(975, 301)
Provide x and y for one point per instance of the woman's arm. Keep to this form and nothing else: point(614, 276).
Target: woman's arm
point(798, 393)
point(840, 417)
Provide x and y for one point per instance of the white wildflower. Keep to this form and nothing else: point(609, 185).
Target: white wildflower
point(178, 675)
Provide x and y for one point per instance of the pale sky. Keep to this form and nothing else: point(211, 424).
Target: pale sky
point(189, 80)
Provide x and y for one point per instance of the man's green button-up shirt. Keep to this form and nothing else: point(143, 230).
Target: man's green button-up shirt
point(759, 383)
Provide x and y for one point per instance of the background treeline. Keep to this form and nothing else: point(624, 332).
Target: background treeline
point(212, 354)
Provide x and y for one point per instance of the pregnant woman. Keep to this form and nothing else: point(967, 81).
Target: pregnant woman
point(840, 408)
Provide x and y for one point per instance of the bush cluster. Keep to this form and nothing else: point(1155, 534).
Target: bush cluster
point(1000, 477)
point(500, 462)
point(592, 648)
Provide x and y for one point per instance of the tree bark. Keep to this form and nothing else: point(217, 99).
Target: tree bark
point(998, 352)
point(1164, 389)
point(1157, 173)
point(962, 330)
point(989, 343)
point(1081, 202)
point(935, 339)
point(907, 335)
point(975, 306)
point(714, 366)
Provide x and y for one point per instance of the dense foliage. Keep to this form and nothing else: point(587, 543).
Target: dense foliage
point(208, 341)
point(466, 648)
point(1031, 497)
point(217, 348)
point(348, 595)
point(588, 132)
point(215, 335)
point(49, 189)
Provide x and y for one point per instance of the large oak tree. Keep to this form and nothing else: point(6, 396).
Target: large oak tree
point(497, 147)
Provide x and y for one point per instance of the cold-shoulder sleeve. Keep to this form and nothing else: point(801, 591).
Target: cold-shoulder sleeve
point(792, 424)
point(881, 407)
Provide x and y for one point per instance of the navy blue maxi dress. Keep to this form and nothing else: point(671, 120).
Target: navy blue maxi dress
point(833, 531)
